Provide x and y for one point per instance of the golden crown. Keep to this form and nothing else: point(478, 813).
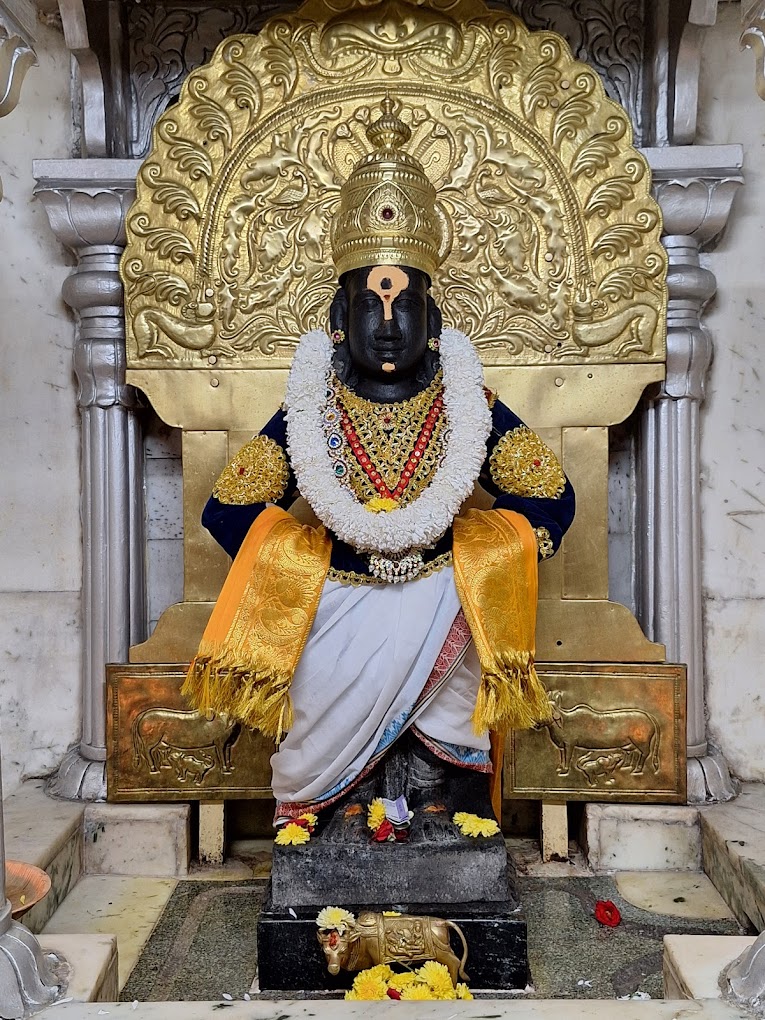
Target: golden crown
point(388, 212)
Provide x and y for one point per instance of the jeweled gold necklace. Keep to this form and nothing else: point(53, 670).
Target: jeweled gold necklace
point(390, 442)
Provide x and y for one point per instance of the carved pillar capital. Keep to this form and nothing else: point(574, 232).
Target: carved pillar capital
point(86, 202)
point(695, 187)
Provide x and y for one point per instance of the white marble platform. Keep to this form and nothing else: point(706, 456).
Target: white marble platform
point(93, 963)
point(733, 841)
point(312, 1009)
point(136, 839)
point(641, 837)
point(693, 963)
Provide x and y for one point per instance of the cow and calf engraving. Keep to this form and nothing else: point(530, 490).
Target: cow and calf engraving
point(598, 743)
point(189, 743)
point(595, 743)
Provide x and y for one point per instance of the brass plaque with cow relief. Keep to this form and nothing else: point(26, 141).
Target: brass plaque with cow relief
point(617, 734)
point(160, 750)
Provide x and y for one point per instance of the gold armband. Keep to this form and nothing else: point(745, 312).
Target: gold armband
point(522, 465)
point(258, 474)
point(544, 543)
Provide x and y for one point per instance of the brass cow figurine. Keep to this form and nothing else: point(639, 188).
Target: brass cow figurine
point(401, 938)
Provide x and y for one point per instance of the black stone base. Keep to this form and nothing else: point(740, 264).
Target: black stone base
point(290, 958)
point(437, 865)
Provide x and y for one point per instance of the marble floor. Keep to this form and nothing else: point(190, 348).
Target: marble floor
point(167, 953)
point(193, 939)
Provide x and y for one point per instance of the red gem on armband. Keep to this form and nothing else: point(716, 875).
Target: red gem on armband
point(537, 463)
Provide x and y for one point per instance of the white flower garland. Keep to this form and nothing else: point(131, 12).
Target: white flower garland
point(423, 521)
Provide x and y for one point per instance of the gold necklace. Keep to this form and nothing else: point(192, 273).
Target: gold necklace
point(392, 449)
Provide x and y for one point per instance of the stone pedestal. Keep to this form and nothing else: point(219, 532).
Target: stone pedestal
point(291, 959)
point(437, 865)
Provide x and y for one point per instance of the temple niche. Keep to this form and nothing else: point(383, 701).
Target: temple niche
point(171, 173)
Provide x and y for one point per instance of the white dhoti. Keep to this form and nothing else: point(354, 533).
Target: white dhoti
point(379, 659)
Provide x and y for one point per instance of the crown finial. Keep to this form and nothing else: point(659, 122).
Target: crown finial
point(388, 132)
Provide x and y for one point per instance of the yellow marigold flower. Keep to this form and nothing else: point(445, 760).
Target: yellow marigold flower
point(418, 991)
point(472, 825)
point(368, 986)
point(311, 819)
point(335, 917)
point(439, 979)
point(381, 504)
point(376, 814)
point(380, 970)
point(402, 981)
point(292, 835)
point(462, 990)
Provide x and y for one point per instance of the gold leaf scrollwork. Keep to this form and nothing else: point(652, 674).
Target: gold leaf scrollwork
point(211, 119)
point(174, 197)
point(190, 159)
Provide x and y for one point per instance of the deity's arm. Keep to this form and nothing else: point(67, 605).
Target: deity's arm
point(260, 474)
point(524, 475)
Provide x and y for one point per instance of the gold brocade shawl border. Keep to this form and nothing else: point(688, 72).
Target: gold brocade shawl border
point(253, 642)
point(495, 571)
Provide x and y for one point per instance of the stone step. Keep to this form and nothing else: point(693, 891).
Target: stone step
point(47, 834)
point(125, 906)
point(136, 839)
point(641, 837)
point(693, 963)
point(479, 1009)
point(93, 963)
point(733, 846)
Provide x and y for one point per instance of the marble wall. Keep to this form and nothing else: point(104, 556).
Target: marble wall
point(39, 500)
point(733, 416)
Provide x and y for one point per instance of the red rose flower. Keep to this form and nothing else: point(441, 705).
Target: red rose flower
point(383, 832)
point(607, 913)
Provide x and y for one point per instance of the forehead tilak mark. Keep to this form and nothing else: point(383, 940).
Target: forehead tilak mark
point(387, 282)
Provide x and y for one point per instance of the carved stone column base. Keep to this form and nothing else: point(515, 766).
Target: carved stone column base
point(78, 778)
point(27, 982)
point(744, 979)
point(709, 781)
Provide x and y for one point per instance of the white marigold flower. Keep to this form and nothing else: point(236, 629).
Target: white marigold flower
point(335, 917)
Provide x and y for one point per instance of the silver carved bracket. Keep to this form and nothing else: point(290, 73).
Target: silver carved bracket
point(17, 32)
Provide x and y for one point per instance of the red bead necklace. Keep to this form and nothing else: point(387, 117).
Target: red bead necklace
point(413, 460)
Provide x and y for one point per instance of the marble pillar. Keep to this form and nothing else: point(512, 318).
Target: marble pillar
point(695, 186)
point(86, 202)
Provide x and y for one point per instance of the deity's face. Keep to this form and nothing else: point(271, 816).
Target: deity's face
point(387, 320)
point(387, 316)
